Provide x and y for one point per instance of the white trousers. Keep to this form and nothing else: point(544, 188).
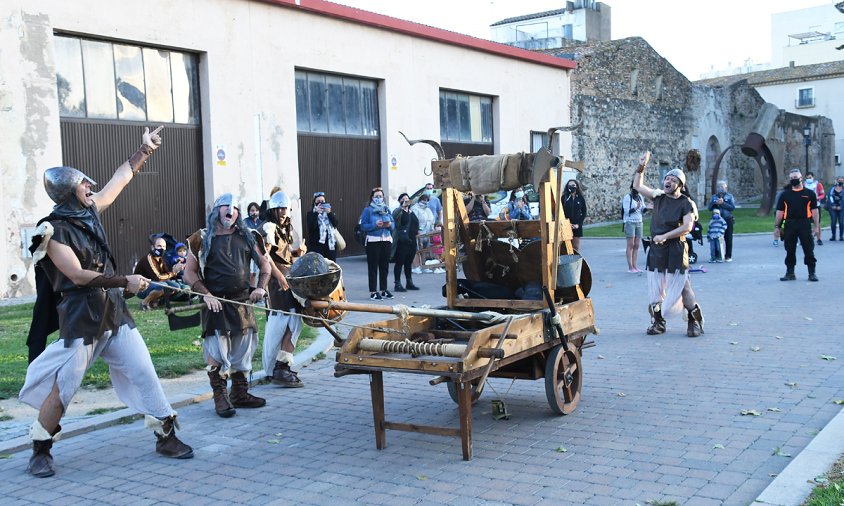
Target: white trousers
point(129, 365)
point(233, 353)
point(277, 325)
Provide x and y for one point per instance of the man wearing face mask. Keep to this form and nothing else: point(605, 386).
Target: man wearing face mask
point(798, 206)
point(669, 284)
point(726, 204)
point(817, 187)
point(434, 204)
point(218, 266)
point(71, 248)
point(155, 268)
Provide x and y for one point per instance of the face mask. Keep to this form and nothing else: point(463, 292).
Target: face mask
point(839, 183)
point(520, 195)
point(429, 192)
point(809, 180)
point(378, 201)
point(795, 182)
point(570, 189)
point(157, 252)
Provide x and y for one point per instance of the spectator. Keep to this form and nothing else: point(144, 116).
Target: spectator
point(723, 201)
point(574, 205)
point(715, 234)
point(253, 221)
point(518, 207)
point(476, 206)
point(427, 221)
point(817, 187)
point(321, 225)
point(835, 206)
point(797, 214)
point(154, 268)
point(404, 242)
point(633, 205)
point(377, 222)
point(434, 203)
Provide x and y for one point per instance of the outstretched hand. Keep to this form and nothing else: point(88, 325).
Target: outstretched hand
point(152, 139)
point(644, 159)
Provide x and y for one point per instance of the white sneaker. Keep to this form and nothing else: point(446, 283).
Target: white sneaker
point(416, 270)
point(428, 271)
point(439, 270)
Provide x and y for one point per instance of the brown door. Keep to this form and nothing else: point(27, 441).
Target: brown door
point(346, 169)
point(166, 196)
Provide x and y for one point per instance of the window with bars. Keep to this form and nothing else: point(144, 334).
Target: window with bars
point(332, 104)
point(108, 80)
point(805, 97)
point(465, 118)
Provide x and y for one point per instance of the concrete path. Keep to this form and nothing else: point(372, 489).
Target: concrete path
point(660, 417)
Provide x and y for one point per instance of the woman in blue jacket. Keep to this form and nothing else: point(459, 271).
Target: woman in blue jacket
point(377, 222)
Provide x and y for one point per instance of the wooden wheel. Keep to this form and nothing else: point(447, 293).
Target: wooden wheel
point(452, 391)
point(563, 379)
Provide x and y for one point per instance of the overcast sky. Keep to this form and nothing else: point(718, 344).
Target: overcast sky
point(693, 35)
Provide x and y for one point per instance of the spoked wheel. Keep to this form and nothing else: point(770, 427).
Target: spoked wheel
point(563, 379)
point(452, 391)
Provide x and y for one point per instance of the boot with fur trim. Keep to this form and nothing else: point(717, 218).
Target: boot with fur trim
point(695, 322)
point(240, 396)
point(41, 462)
point(222, 404)
point(283, 375)
point(657, 321)
point(168, 444)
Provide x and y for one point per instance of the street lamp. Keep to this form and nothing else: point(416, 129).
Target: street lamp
point(807, 141)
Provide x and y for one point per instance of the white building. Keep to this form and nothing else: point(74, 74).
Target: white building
point(582, 20)
point(807, 36)
point(306, 95)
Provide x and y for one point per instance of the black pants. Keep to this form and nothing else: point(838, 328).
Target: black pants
point(377, 262)
point(322, 249)
point(728, 238)
point(405, 253)
point(794, 230)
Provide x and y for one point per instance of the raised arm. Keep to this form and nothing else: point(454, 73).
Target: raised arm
point(150, 142)
point(639, 178)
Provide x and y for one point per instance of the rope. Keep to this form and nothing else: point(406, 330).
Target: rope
point(496, 391)
point(188, 291)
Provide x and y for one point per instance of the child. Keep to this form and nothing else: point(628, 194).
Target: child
point(715, 233)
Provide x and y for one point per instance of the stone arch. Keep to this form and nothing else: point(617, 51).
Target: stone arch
point(713, 149)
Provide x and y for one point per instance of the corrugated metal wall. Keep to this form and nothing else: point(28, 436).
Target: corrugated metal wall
point(167, 196)
point(453, 149)
point(346, 169)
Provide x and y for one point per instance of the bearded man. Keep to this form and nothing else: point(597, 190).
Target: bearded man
point(218, 266)
point(92, 316)
point(283, 328)
point(669, 285)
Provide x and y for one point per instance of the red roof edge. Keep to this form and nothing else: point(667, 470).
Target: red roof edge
point(362, 17)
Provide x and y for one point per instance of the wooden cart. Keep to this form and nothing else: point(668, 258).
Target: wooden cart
point(473, 338)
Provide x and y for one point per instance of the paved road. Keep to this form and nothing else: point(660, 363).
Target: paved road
point(654, 414)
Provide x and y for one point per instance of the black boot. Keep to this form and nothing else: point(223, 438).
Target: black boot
point(812, 275)
point(695, 322)
point(168, 444)
point(410, 285)
point(657, 321)
point(41, 462)
point(789, 275)
point(240, 396)
point(222, 404)
point(398, 288)
point(284, 376)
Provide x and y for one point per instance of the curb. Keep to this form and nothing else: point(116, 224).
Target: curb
point(323, 343)
point(794, 484)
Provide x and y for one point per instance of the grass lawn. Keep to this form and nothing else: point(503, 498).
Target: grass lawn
point(174, 353)
point(746, 222)
point(830, 490)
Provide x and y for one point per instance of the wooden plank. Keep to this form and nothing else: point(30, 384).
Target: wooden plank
point(425, 429)
point(500, 303)
point(450, 244)
point(471, 267)
point(522, 228)
point(464, 407)
point(376, 387)
point(546, 206)
point(431, 365)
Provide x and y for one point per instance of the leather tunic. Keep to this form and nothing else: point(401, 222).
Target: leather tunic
point(226, 275)
point(279, 239)
point(85, 312)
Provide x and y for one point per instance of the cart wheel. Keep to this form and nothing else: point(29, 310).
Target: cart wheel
point(563, 379)
point(452, 391)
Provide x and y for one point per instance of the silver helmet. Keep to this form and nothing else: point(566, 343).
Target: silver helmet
point(227, 199)
point(60, 182)
point(278, 200)
point(678, 174)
